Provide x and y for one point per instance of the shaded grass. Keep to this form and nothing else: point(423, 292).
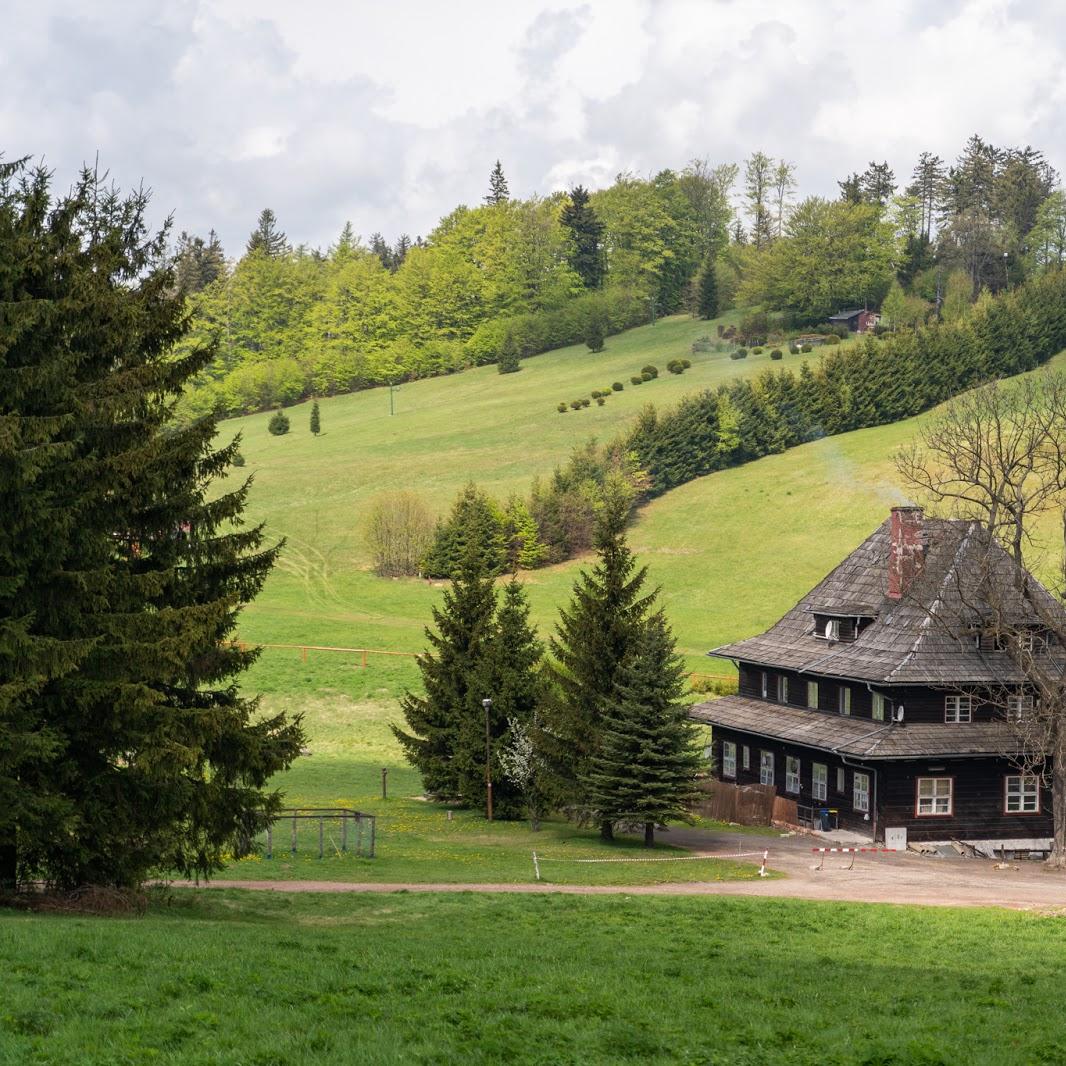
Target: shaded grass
point(276, 980)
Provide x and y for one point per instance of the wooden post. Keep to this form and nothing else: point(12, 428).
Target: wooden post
point(344, 831)
point(358, 833)
point(373, 830)
point(270, 841)
point(536, 866)
point(303, 654)
point(294, 833)
point(320, 835)
point(384, 782)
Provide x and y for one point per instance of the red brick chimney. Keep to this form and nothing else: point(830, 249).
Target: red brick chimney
point(905, 550)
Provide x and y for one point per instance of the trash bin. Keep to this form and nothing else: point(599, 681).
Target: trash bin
point(823, 815)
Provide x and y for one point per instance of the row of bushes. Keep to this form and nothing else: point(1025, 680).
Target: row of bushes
point(868, 384)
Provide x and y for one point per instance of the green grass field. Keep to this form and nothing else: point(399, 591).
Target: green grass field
point(274, 980)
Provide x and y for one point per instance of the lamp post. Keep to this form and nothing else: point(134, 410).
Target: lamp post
point(487, 704)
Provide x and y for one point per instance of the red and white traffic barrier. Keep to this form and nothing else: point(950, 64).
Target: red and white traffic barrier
point(847, 851)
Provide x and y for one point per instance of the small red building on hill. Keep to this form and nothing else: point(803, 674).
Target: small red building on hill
point(858, 321)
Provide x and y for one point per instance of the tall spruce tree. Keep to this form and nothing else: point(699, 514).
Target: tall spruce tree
point(316, 419)
point(508, 361)
point(498, 192)
point(197, 262)
point(438, 722)
point(586, 255)
point(595, 636)
point(475, 523)
point(708, 291)
point(644, 769)
point(509, 675)
point(124, 744)
point(266, 238)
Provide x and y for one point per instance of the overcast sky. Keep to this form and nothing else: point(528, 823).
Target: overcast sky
point(390, 113)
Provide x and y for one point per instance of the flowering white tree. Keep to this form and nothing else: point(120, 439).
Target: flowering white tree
point(523, 767)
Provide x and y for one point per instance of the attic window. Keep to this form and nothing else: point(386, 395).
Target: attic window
point(989, 640)
point(837, 628)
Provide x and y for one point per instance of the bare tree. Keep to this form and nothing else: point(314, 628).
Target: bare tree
point(997, 457)
point(784, 185)
point(398, 532)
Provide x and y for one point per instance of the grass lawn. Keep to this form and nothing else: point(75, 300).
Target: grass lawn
point(416, 841)
point(275, 980)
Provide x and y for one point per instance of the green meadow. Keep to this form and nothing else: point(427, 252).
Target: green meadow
point(263, 979)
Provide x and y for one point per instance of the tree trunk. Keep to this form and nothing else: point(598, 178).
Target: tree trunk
point(1057, 858)
point(649, 834)
point(606, 830)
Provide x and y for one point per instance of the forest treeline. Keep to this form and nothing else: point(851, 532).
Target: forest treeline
point(513, 276)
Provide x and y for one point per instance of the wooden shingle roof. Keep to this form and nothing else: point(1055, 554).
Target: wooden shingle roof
point(922, 638)
point(858, 737)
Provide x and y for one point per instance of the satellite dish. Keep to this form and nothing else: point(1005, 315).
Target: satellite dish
point(831, 629)
point(898, 716)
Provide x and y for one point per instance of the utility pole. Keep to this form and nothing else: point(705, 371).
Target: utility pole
point(487, 704)
point(392, 409)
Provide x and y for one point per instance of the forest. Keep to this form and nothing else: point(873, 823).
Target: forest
point(511, 277)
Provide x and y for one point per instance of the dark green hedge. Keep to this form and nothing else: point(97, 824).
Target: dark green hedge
point(869, 384)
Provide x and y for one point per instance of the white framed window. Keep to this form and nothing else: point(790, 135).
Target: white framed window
point(819, 781)
point(766, 767)
point(844, 700)
point(792, 774)
point(729, 759)
point(1021, 794)
point(1019, 705)
point(935, 797)
point(877, 707)
point(745, 757)
point(841, 783)
point(958, 708)
point(860, 792)
point(764, 685)
point(812, 694)
point(782, 689)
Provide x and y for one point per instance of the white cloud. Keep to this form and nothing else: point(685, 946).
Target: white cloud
point(390, 114)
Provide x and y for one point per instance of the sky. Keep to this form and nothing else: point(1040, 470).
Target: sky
point(390, 114)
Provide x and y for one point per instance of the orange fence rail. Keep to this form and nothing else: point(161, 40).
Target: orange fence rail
point(303, 649)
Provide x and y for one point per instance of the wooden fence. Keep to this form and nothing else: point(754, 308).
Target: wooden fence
point(745, 805)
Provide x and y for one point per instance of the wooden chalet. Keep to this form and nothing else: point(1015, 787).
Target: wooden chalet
point(858, 320)
point(865, 698)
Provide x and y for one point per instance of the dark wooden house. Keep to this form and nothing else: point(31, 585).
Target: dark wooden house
point(865, 699)
point(858, 320)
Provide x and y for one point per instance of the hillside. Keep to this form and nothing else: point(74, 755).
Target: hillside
point(731, 551)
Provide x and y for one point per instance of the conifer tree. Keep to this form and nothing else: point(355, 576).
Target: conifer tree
point(316, 419)
point(508, 361)
point(595, 332)
point(475, 523)
point(596, 634)
point(509, 675)
point(644, 769)
point(525, 551)
point(197, 262)
point(498, 191)
point(439, 720)
point(124, 743)
point(586, 256)
point(708, 298)
point(266, 237)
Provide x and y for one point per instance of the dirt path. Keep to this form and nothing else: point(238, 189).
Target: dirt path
point(874, 878)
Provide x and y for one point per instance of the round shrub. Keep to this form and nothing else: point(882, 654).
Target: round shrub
point(757, 350)
point(776, 354)
point(806, 348)
point(636, 379)
point(738, 354)
point(686, 363)
point(832, 339)
point(600, 401)
point(561, 408)
point(576, 405)
point(675, 367)
point(238, 459)
point(595, 394)
point(586, 402)
point(794, 350)
point(279, 423)
point(651, 371)
point(647, 377)
point(617, 386)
